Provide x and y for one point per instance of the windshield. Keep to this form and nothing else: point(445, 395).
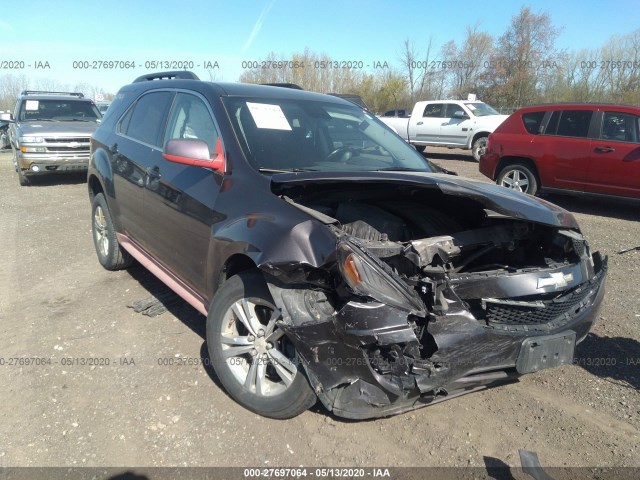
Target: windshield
point(297, 135)
point(58, 110)
point(480, 109)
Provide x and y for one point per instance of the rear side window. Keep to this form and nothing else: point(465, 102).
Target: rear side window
point(621, 127)
point(533, 122)
point(574, 123)
point(434, 110)
point(145, 121)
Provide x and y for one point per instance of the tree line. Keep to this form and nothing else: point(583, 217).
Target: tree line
point(521, 67)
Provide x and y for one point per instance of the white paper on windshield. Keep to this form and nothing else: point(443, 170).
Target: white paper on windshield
point(471, 107)
point(31, 105)
point(268, 116)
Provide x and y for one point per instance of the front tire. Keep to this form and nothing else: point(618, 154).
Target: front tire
point(23, 180)
point(110, 254)
point(519, 177)
point(254, 360)
point(478, 148)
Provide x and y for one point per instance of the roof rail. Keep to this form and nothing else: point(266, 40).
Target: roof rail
point(42, 92)
point(177, 74)
point(284, 85)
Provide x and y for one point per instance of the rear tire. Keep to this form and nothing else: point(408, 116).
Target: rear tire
point(254, 360)
point(519, 177)
point(110, 254)
point(420, 148)
point(478, 148)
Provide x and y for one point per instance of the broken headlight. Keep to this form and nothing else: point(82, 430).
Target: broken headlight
point(368, 277)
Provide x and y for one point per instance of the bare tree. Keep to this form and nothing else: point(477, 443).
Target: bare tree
point(526, 47)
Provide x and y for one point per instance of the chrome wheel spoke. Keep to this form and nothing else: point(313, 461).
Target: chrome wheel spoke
point(285, 368)
point(232, 352)
point(237, 346)
point(246, 314)
point(236, 341)
point(275, 336)
point(255, 381)
point(271, 325)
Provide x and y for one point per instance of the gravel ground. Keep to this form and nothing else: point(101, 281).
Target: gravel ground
point(58, 307)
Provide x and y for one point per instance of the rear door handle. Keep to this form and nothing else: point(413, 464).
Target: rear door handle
point(605, 149)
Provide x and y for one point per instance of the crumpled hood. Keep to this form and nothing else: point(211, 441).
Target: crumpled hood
point(494, 198)
point(69, 129)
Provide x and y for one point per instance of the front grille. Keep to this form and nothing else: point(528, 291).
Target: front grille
point(80, 148)
point(67, 139)
point(542, 312)
point(579, 246)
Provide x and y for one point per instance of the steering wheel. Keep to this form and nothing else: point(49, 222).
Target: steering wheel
point(342, 154)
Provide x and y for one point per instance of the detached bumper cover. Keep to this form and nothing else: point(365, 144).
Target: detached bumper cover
point(341, 353)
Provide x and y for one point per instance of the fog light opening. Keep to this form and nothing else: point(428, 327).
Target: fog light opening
point(35, 168)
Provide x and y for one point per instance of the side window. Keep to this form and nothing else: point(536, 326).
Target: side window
point(552, 125)
point(574, 123)
point(620, 127)
point(451, 109)
point(532, 121)
point(145, 122)
point(435, 110)
point(190, 118)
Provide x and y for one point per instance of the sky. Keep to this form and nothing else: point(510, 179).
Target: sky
point(66, 40)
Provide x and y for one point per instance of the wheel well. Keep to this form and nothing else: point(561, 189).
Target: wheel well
point(478, 135)
point(527, 162)
point(235, 264)
point(94, 186)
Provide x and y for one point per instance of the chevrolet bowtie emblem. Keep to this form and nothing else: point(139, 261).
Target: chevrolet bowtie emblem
point(557, 280)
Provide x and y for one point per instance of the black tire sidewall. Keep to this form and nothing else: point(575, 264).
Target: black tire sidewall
point(110, 260)
point(297, 398)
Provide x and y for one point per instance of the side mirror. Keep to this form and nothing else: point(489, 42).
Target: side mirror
point(7, 117)
point(187, 151)
point(460, 114)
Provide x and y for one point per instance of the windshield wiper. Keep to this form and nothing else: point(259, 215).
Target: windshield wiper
point(79, 120)
point(293, 170)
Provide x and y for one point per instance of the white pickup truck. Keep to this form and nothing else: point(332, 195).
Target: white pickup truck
point(447, 123)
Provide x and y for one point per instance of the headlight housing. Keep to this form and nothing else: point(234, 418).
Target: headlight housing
point(369, 277)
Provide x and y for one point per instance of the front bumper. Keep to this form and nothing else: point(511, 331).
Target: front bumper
point(41, 164)
point(462, 353)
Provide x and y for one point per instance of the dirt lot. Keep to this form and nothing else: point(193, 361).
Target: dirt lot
point(58, 307)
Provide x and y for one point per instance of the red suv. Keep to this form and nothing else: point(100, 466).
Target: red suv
point(585, 148)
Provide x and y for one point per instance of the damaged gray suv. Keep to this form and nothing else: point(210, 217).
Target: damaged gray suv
point(331, 260)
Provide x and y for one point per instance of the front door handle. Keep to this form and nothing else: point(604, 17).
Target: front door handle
point(605, 149)
point(419, 123)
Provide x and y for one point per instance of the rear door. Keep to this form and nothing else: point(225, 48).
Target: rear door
point(179, 200)
point(426, 128)
point(137, 146)
point(567, 149)
point(614, 167)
